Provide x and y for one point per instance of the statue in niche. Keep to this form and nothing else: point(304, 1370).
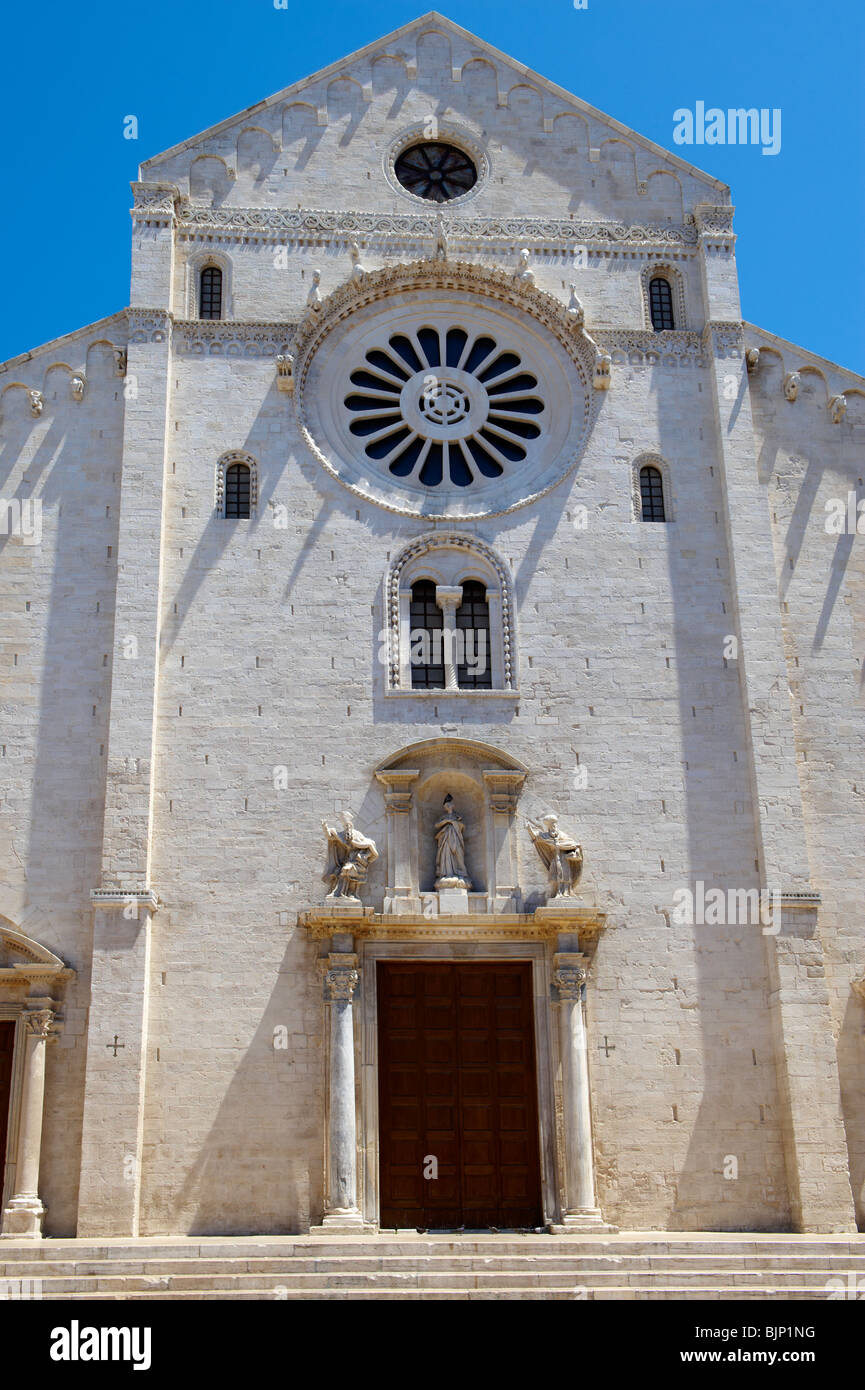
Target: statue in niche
point(451, 869)
point(561, 854)
point(349, 855)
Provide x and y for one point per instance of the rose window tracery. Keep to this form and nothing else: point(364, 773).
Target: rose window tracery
point(443, 403)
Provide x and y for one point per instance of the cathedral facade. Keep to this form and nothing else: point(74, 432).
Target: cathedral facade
point(432, 756)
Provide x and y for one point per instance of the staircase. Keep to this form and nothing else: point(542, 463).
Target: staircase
point(441, 1266)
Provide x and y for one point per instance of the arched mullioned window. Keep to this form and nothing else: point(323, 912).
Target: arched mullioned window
point(238, 490)
point(661, 304)
point(210, 293)
point(474, 667)
point(652, 495)
point(427, 637)
point(450, 623)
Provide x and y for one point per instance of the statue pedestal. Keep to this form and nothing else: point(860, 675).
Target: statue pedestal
point(566, 910)
point(452, 901)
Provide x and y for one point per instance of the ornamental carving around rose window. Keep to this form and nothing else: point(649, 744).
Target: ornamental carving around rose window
point(444, 391)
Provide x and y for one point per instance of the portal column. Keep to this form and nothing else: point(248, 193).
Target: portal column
point(22, 1218)
point(341, 1204)
point(580, 1210)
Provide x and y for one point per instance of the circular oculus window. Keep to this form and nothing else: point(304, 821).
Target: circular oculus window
point(441, 405)
point(435, 171)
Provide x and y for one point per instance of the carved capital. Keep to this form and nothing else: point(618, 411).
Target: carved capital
point(341, 981)
point(569, 981)
point(40, 1023)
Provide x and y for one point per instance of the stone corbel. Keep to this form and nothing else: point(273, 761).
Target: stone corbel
point(837, 409)
point(285, 372)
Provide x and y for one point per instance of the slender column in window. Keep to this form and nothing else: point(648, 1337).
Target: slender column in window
point(569, 978)
point(448, 599)
point(341, 1208)
point(22, 1218)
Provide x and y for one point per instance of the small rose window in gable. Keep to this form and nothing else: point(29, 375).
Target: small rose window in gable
point(435, 171)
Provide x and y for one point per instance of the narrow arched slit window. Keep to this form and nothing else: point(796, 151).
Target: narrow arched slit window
point(652, 495)
point(474, 670)
point(210, 295)
point(426, 638)
point(237, 490)
point(661, 304)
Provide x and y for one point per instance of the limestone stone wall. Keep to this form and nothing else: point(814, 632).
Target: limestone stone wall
point(57, 634)
point(807, 464)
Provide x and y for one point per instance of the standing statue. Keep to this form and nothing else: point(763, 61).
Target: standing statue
point(451, 869)
point(561, 854)
point(349, 855)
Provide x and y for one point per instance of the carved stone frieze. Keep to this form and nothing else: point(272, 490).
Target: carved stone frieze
point(148, 325)
point(154, 198)
point(644, 347)
point(710, 218)
point(223, 338)
point(306, 223)
point(724, 338)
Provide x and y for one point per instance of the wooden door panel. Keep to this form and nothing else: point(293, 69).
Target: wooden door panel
point(457, 1083)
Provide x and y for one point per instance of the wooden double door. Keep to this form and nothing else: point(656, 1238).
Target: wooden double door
point(458, 1111)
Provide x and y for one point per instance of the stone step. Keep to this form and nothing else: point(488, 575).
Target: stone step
point(441, 1279)
point(622, 1292)
point(362, 1264)
point(415, 1247)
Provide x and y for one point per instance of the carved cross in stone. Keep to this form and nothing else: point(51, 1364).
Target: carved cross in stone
point(115, 1044)
point(606, 1046)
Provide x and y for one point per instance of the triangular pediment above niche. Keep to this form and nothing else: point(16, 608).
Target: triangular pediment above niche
point(481, 754)
point(22, 957)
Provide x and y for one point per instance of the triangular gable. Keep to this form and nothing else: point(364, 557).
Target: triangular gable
point(480, 49)
point(838, 379)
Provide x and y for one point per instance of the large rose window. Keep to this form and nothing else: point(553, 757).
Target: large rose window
point(443, 402)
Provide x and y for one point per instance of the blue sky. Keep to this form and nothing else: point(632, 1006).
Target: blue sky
point(73, 72)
